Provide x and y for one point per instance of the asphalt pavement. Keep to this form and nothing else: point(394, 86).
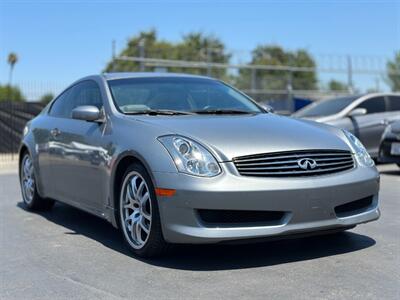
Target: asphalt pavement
point(69, 254)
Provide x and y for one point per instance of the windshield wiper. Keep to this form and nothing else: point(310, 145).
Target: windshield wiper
point(155, 112)
point(222, 112)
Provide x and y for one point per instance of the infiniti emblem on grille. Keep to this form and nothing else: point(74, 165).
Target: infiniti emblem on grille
point(307, 163)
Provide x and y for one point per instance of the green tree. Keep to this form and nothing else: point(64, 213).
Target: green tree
point(279, 79)
point(10, 93)
point(46, 98)
point(193, 47)
point(393, 72)
point(335, 85)
point(198, 47)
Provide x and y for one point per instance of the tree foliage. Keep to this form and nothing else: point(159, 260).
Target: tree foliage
point(46, 98)
point(393, 72)
point(12, 59)
point(196, 46)
point(279, 79)
point(335, 85)
point(193, 47)
point(10, 93)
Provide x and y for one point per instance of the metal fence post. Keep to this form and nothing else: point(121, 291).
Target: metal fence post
point(289, 88)
point(253, 86)
point(141, 54)
point(209, 61)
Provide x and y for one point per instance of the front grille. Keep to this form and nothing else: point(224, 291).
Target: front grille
point(286, 164)
point(232, 218)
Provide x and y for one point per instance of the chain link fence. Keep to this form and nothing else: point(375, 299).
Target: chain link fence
point(13, 117)
point(274, 85)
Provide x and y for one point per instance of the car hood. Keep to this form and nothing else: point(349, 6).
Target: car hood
point(237, 135)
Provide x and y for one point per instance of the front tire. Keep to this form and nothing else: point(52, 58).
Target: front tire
point(30, 195)
point(139, 216)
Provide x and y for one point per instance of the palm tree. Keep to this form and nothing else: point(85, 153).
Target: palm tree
point(12, 60)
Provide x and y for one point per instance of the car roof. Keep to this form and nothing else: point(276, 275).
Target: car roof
point(124, 75)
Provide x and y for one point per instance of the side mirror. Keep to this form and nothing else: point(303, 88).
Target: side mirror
point(358, 112)
point(268, 108)
point(86, 113)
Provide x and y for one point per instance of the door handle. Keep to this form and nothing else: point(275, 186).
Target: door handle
point(55, 132)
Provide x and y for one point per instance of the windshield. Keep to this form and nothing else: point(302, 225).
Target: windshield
point(325, 107)
point(194, 95)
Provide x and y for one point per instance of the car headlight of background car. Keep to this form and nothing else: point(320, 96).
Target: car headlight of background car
point(361, 154)
point(190, 157)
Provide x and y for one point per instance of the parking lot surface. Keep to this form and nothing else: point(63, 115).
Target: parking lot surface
point(66, 253)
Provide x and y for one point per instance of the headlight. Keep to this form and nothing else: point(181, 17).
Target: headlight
point(25, 131)
point(190, 157)
point(361, 154)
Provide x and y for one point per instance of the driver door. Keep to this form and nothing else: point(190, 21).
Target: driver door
point(79, 164)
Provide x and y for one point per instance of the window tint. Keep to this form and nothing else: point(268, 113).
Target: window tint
point(177, 93)
point(60, 107)
point(394, 103)
point(374, 105)
point(325, 107)
point(84, 93)
point(87, 93)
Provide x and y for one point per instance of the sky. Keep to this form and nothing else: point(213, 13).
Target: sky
point(61, 41)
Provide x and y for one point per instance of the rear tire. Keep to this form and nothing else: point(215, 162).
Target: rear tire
point(30, 195)
point(138, 212)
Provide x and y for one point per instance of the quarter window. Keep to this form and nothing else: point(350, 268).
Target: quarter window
point(394, 103)
point(83, 93)
point(374, 105)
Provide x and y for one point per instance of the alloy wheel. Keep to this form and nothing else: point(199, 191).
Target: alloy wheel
point(27, 179)
point(135, 210)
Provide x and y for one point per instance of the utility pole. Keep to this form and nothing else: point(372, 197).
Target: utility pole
point(113, 55)
point(349, 75)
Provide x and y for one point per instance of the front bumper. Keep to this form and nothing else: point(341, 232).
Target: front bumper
point(308, 203)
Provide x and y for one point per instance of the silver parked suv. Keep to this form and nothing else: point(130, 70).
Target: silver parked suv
point(172, 158)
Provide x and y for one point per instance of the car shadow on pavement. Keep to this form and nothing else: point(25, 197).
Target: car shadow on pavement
point(391, 172)
point(212, 257)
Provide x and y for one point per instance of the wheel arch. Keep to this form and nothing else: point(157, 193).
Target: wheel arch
point(124, 160)
point(22, 149)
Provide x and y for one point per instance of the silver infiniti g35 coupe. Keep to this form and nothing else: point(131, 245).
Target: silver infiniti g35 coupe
point(172, 158)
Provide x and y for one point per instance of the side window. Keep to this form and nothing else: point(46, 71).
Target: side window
point(374, 105)
point(394, 103)
point(84, 93)
point(60, 107)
